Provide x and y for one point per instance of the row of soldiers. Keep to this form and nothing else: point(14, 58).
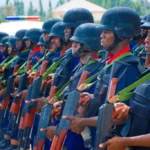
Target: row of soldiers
point(75, 84)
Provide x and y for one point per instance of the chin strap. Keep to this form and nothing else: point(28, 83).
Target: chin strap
point(116, 42)
point(81, 50)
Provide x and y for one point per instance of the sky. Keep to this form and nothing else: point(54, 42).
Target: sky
point(34, 2)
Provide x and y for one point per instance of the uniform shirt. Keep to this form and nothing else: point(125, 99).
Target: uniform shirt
point(128, 78)
point(3, 56)
point(71, 137)
point(22, 57)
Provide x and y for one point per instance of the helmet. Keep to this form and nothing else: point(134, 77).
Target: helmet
point(146, 24)
point(143, 19)
point(47, 25)
point(3, 34)
point(33, 35)
point(42, 43)
point(123, 21)
point(77, 16)
point(4, 41)
point(12, 42)
point(20, 34)
point(89, 35)
point(58, 30)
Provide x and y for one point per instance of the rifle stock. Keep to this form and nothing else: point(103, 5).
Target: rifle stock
point(5, 101)
point(104, 130)
point(22, 118)
point(30, 112)
point(69, 110)
point(39, 140)
point(44, 67)
point(52, 92)
point(70, 106)
point(83, 77)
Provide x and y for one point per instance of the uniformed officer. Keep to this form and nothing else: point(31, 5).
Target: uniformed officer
point(2, 34)
point(85, 43)
point(46, 29)
point(4, 46)
point(32, 37)
point(136, 132)
point(118, 27)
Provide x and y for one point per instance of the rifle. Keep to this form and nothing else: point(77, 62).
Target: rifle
point(45, 116)
point(5, 101)
point(4, 61)
point(16, 104)
point(104, 129)
point(31, 110)
point(54, 95)
point(22, 117)
point(70, 109)
point(9, 90)
point(5, 65)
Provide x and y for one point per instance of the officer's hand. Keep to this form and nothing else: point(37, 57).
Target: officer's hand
point(32, 74)
point(13, 94)
point(3, 69)
point(3, 84)
point(115, 143)
point(22, 94)
point(49, 83)
point(2, 91)
point(40, 103)
point(121, 112)
point(50, 132)
point(31, 77)
point(17, 79)
point(85, 99)
point(76, 124)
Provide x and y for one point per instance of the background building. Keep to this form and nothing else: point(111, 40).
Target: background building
point(96, 10)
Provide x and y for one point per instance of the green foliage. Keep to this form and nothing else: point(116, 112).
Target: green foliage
point(61, 2)
point(49, 13)
point(19, 7)
point(141, 6)
point(7, 10)
point(7, 2)
point(32, 11)
point(41, 12)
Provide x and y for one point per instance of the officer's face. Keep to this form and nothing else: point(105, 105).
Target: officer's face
point(42, 49)
point(28, 43)
point(147, 41)
point(75, 46)
point(3, 48)
point(19, 44)
point(143, 31)
point(46, 37)
point(55, 42)
point(10, 49)
point(67, 33)
point(107, 38)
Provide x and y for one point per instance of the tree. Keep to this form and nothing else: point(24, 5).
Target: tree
point(19, 7)
point(60, 2)
point(6, 11)
point(7, 2)
point(31, 10)
point(141, 6)
point(49, 16)
point(41, 12)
